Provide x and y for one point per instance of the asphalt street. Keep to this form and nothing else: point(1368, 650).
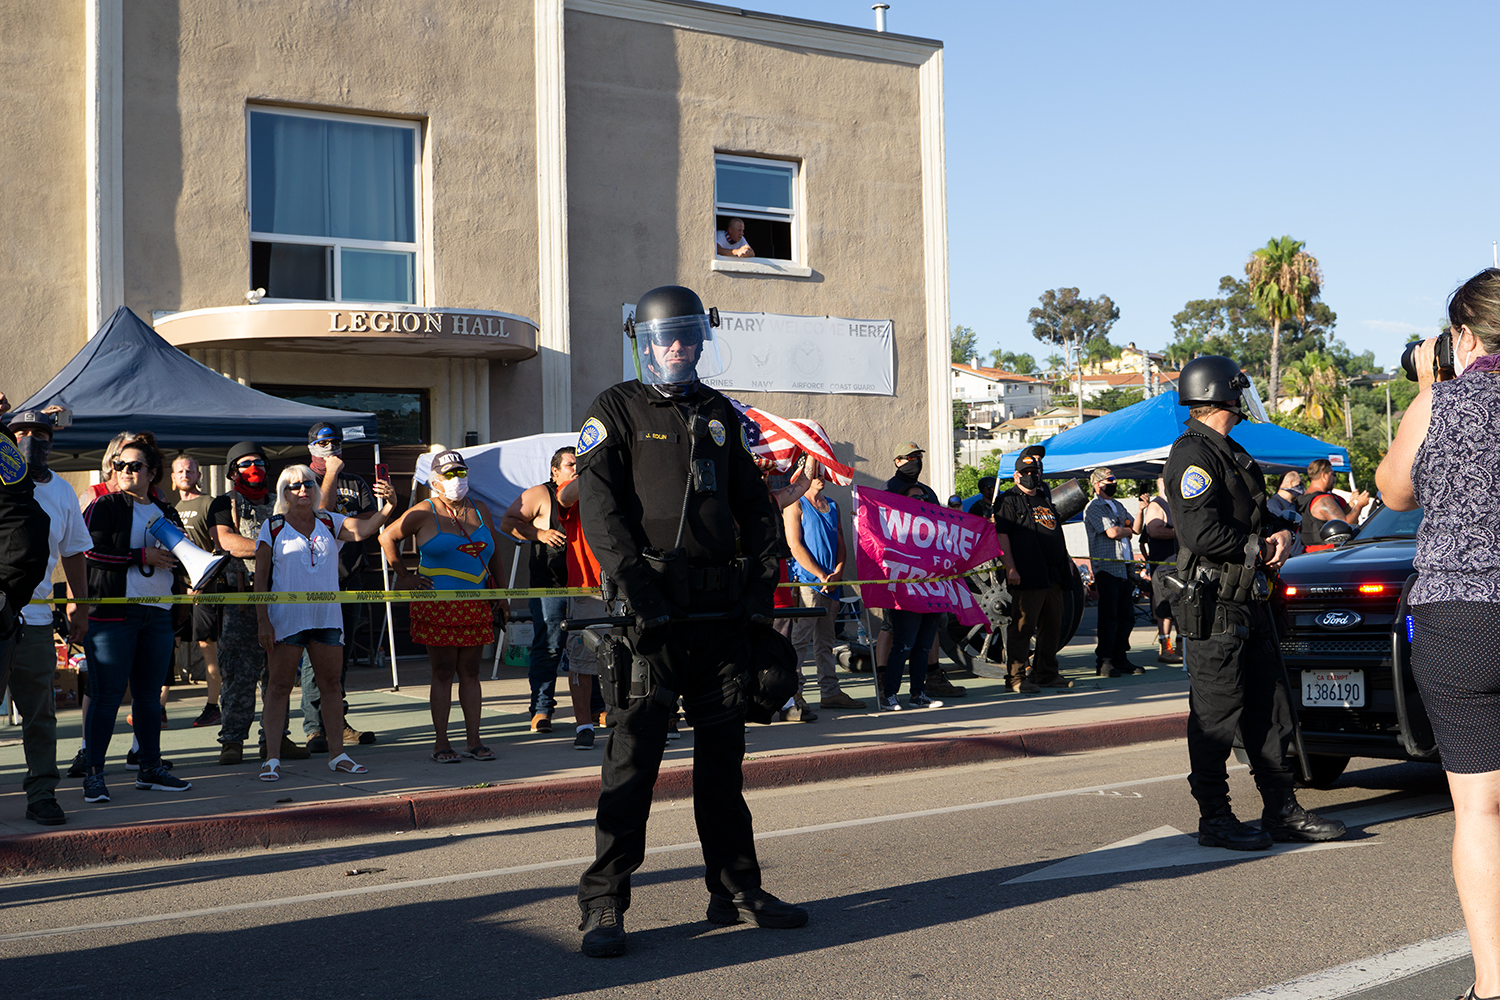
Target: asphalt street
point(1052, 877)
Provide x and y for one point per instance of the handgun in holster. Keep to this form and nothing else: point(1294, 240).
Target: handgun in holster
point(1193, 605)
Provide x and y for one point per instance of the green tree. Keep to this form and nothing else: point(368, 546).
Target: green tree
point(1283, 282)
point(1232, 325)
point(1023, 364)
point(1065, 318)
point(1316, 378)
point(965, 344)
point(1111, 400)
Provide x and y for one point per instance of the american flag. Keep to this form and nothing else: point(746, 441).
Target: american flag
point(776, 442)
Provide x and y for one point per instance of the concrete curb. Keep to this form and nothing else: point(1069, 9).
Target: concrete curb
point(171, 840)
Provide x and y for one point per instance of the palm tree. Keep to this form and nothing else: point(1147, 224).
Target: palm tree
point(1316, 379)
point(1283, 281)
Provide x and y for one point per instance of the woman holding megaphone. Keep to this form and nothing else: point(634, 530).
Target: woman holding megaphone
point(129, 644)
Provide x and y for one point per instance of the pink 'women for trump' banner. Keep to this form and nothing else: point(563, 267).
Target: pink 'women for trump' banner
point(908, 540)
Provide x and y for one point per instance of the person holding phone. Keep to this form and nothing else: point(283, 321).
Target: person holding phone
point(344, 493)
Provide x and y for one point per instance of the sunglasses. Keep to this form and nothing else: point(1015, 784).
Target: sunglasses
point(459, 473)
point(300, 485)
point(250, 463)
point(120, 466)
point(666, 338)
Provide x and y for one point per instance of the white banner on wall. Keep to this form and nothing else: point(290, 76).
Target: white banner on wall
point(767, 352)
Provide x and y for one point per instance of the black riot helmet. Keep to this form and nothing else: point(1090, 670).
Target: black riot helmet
point(1218, 381)
point(674, 315)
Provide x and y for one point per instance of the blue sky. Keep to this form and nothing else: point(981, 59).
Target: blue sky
point(1144, 150)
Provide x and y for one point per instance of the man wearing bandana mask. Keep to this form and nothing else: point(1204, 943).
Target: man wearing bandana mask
point(235, 519)
point(36, 657)
point(347, 494)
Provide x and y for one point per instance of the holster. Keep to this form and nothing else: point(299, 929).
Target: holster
point(1193, 606)
point(672, 575)
point(613, 653)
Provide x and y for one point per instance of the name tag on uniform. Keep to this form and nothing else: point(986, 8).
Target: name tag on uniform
point(666, 437)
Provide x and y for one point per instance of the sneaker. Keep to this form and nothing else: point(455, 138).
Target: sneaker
point(603, 932)
point(133, 761)
point(672, 733)
point(584, 740)
point(159, 779)
point(80, 765)
point(757, 907)
point(541, 723)
point(94, 789)
point(890, 704)
point(924, 701)
point(353, 736)
point(46, 812)
point(210, 716)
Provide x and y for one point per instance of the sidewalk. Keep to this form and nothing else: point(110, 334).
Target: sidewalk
point(228, 808)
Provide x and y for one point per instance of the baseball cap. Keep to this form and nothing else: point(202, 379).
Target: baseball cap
point(1099, 475)
point(324, 432)
point(908, 448)
point(443, 461)
point(1031, 455)
point(31, 418)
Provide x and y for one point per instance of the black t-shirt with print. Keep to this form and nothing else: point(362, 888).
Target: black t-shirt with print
point(1036, 539)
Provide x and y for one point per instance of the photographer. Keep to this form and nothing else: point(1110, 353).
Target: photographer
point(1443, 460)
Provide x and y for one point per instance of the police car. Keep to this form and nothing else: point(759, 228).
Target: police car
point(1347, 648)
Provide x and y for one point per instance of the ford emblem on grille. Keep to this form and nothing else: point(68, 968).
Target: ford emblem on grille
point(1338, 619)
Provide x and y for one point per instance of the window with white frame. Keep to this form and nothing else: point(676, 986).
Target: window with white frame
point(761, 194)
point(334, 207)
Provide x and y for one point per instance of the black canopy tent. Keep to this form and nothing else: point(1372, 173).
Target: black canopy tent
point(128, 378)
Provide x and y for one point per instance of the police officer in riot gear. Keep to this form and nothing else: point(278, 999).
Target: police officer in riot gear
point(673, 506)
point(1227, 540)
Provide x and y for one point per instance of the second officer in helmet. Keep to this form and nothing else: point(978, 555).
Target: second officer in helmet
point(673, 507)
point(1226, 542)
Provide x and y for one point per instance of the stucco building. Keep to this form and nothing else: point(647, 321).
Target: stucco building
point(448, 205)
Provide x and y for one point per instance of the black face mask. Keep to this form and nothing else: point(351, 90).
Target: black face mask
point(911, 470)
point(1109, 489)
point(35, 450)
point(1031, 480)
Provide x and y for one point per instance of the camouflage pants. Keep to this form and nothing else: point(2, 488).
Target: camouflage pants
point(242, 665)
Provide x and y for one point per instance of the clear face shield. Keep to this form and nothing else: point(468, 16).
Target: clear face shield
point(677, 350)
point(1251, 407)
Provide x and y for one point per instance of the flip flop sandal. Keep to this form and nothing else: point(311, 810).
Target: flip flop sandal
point(480, 752)
point(445, 757)
point(270, 770)
point(345, 764)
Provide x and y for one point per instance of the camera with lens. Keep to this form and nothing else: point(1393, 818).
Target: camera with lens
point(1442, 358)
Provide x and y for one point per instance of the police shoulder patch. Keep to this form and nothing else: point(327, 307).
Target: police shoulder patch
point(591, 436)
point(716, 429)
point(12, 464)
point(1195, 480)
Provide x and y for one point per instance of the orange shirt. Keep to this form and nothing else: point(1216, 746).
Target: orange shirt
point(583, 568)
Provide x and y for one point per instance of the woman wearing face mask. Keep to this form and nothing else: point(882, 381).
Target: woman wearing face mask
point(1443, 460)
point(297, 550)
point(456, 550)
point(129, 644)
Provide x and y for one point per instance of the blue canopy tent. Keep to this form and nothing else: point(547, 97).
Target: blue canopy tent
point(128, 378)
point(1134, 443)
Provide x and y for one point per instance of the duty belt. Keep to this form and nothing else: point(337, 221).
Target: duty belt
point(1237, 584)
point(713, 578)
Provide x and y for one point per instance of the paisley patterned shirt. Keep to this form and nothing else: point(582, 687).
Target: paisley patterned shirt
point(1457, 481)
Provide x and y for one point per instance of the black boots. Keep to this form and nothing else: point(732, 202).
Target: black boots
point(1285, 820)
point(1224, 830)
point(756, 906)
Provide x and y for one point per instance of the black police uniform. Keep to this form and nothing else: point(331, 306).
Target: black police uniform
point(1217, 496)
point(23, 543)
point(636, 451)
